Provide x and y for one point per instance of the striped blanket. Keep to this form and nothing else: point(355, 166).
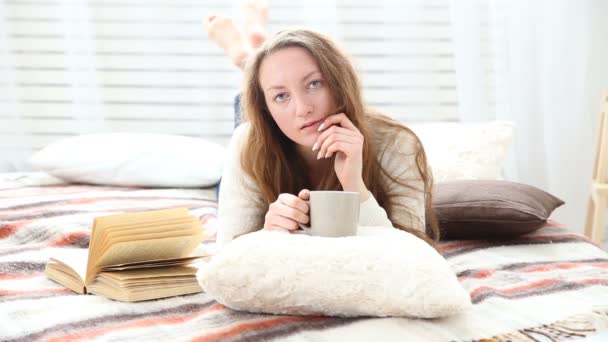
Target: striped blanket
point(550, 285)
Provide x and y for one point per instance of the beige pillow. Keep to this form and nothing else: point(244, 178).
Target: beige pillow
point(465, 150)
point(380, 272)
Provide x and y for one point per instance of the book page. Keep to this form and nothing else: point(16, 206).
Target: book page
point(140, 228)
point(103, 223)
point(142, 216)
point(152, 232)
point(74, 258)
point(142, 250)
point(146, 284)
point(153, 263)
point(152, 274)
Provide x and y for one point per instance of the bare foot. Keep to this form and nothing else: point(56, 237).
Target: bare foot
point(256, 19)
point(257, 38)
point(222, 31)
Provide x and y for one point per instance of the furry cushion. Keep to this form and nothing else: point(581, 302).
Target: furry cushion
point(380, 272)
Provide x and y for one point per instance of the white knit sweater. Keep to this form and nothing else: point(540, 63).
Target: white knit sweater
point(241, 208)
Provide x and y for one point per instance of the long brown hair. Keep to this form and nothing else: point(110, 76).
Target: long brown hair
point(270, 158)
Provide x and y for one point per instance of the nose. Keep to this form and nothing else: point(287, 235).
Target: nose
point(304, 106)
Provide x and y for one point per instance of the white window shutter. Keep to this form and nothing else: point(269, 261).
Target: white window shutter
point(73, 67)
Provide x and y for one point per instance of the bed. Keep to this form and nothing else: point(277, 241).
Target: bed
point(549, 285)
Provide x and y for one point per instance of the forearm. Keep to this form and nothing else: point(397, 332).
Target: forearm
point(358, 186)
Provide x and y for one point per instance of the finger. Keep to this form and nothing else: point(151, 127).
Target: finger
point(280, 221)
point(337, 119)
point(304, 194)
point(274, 228)
point(347, 148)
point(284, 222)
point(323, 151)
point(332, 130)
point(291, 213)
point(293, 201)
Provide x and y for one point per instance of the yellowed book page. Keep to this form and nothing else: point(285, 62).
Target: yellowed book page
point(156, 249)
point(158, 282)
point(187, 228)
point(138, 217)
point(142, 238)
point(144, 283)
point(154, 263)
point(64, 276)
point(74, 258)
point(136, 296)
point(101, 223)
point(151, 273)
point(145, 227)
point(67, 266)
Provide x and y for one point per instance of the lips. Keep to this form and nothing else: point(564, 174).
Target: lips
point(309, 124)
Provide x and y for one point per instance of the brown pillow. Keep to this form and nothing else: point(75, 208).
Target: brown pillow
point(468, 209)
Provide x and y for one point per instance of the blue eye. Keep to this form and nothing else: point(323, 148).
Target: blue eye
point(315, 84)
point(279, 97)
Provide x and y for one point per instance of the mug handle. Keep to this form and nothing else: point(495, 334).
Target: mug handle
point(304, 227)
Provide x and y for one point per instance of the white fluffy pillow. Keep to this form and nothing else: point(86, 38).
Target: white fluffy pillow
point(381, 272)
point(465, 150)
point(133, 159)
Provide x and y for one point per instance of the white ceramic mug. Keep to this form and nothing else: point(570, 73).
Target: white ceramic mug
point(333, 213)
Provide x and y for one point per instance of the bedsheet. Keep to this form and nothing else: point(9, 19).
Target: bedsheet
point(549, 285)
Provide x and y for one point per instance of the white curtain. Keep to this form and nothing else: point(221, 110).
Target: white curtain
point(542, 65)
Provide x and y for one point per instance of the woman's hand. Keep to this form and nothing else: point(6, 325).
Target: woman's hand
point(287, 212)
point(340, 137)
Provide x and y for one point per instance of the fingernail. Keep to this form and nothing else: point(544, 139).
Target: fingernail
point(319, 156)
point(314, 147)
point(327, 155)
point(321, 127)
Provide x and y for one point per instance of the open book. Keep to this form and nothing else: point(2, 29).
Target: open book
point(133, 257)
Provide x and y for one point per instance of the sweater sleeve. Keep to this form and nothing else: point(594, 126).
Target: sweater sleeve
point(372, 214)
point(240, 206)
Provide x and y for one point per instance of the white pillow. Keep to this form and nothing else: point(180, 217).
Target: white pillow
point(465, 150)
point(133, 159)
point(381, 272)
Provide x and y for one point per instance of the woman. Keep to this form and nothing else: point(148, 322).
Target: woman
point(307, 128)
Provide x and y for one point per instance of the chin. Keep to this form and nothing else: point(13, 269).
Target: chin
point(303, 139)
point(308, 140)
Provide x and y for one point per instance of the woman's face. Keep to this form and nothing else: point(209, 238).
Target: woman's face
point(296, 93)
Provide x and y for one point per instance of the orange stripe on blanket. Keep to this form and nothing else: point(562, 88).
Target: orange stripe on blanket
point(481, 274)
point(70, 239)
point(533, 285)
point(257, 325)
point(448, 246)
point(457, 244)
point(4, 293)
point(14, 276)
point(546, 283)
point(142, 323)
point(9, 229)
point(563, 266)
